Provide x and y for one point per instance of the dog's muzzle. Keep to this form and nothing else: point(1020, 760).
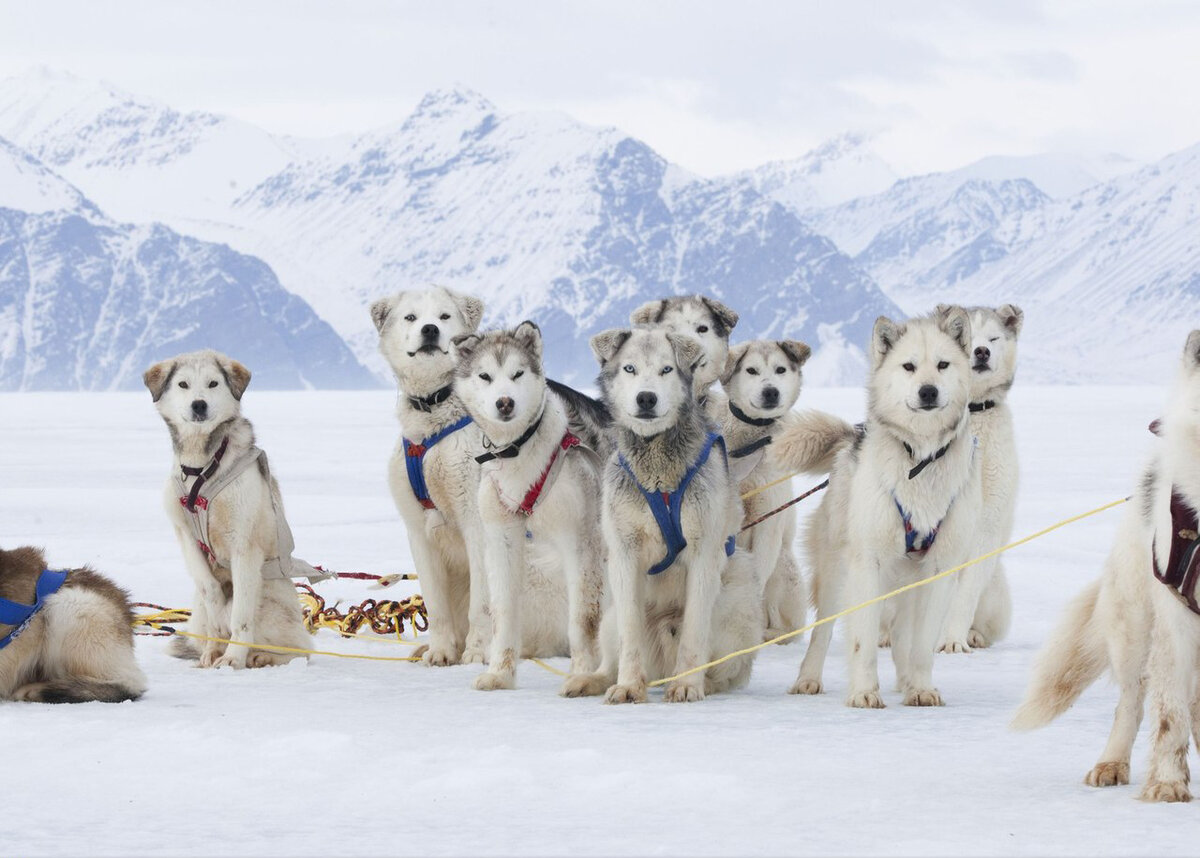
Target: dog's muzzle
point(199, 410)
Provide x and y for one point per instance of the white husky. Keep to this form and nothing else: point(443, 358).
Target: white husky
point(432, 473)
point(228, 516)
point(902, 504)
point(981, 607)
point(1145, 631)
point(762, 381)
point(539, 500)
point(681, 593)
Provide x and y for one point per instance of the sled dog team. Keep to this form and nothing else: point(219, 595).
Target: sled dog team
point(501, 476)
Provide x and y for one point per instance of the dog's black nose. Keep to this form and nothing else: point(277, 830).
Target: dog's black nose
point(982, 353)
point(928, 394)
point(505, 406)
point(647, 400)
point(770, 396)
point(430, 331)
point(200, 408)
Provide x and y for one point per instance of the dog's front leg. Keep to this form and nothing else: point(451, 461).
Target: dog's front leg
point(702, 587)
point(444, 648)
point(582, 563)
point(863, 582)
point(210, 614)
point(246, 566)
point(504, 542)
point(629, 603)
point(479, 618)
point(926, 612)
point(1171, 681)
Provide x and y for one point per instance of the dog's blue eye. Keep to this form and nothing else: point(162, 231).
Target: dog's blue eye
point(410, 318)
point(751, 371)
point(484, 377)
point(943, 364)
point(629, 368)
point(212, 384)
point(910, 367)
point(780, 370)
point(667, 369)
point(518, 374)
point(184, 385)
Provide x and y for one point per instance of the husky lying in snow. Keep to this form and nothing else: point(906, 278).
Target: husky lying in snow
point(762, 381)
point(65, 637)
point(903, 503)
point(681, 594)
point(981, 607)
point(539, 501)
point(1146, 632)
point(228, 516)
point(433, 474)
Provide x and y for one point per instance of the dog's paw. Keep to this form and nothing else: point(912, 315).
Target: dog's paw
point(210, 657)
point(954, 647)
point(683, 692)
point(494, 681)
point(237, 662)
point(437, 656)
point(865, 700)
point(473, 655)
point(977, 639)
point(1165, 791)
point(261, 658)
point(626, 694)
point(885, 640)
point(923, 697)
point(584, 685)
point(806, 686)
point(1108, 774)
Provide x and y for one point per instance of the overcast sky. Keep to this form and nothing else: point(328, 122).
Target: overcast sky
point(712, 86)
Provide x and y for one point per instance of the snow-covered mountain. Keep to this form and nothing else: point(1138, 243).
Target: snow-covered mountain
point(88, 303)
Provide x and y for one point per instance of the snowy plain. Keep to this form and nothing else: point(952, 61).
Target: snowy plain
point(357, 757)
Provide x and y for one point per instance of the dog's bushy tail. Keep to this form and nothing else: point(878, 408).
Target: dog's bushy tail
point(810, 442)
point(588, 418)
point(79, 690)
point(1073, 658)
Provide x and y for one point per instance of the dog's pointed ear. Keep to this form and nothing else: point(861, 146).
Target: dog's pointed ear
point(380, 310)
point(1013, 317)
point(956, 324)
point(235, 374)
point(1191, 352)
point(606, 344)
point(943, 309)
point(884, 337)
point(649, 313)
point(465, 345)
point(728, 317)
point(796, 351)
point(688, 351)
point(469, 306)
point(158, 377)
point(529, 336)
point(736, 353)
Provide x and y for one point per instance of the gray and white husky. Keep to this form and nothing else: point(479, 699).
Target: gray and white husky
point(71, 639)
point(762, 381)
point(680, 594)
point(1140, 621)
point(903, 503)
point(433, 475)
point(228, 516)
point(704, 319)
point(539, 501)
point(981, 607)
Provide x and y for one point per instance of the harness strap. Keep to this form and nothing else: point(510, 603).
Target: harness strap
point(746, 418)
point(513, 449)
point(926, 462)
point(976, 407)
point(752, 447)
point(535, 491)
point(20, 615)
point(426, 403)
point(1183, 564)
point(203, 475)
point(914, 542)
point(667, 507)
point(414, 460)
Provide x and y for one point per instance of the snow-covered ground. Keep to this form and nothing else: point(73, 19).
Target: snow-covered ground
point(351, 757)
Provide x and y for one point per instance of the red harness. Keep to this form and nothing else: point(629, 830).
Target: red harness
point(535, 491)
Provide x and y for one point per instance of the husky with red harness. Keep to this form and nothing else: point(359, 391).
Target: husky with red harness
point(539, 500)
point(682, 593)
point(1140, 621)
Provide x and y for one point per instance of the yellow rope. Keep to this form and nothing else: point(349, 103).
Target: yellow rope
point(896, 592)
point(275, 648)
point(770, 485)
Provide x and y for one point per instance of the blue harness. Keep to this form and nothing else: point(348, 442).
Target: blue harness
point(668, 506)
point(414, 460)
point(20, 615)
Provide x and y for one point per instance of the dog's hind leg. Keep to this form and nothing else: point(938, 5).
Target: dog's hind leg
point(1128, 663)
point(994, 612)
point(967, 588)
point(824, 594)
point(594, 684)
point(477, 633)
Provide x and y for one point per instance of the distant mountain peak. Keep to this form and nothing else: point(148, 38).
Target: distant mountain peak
point(452, 102)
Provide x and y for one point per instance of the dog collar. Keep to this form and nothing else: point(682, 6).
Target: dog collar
point(513, 449)
point(202, 475)
point(746, 418)
point(426, 403)
point(752, 447)
point(976, 407)
point(926, 462)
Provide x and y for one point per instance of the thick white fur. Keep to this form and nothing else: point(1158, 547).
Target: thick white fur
point(1133, 626)
point(234, 603)
point(545, 570)
point(855, 537)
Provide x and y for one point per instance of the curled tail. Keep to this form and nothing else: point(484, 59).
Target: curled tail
point(810, 442)
point(1072, 659)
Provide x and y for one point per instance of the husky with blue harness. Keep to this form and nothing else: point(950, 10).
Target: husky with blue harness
point(66, 636)
point(682, 593)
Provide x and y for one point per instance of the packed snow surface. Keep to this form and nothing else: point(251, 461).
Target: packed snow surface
point(347, 757)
